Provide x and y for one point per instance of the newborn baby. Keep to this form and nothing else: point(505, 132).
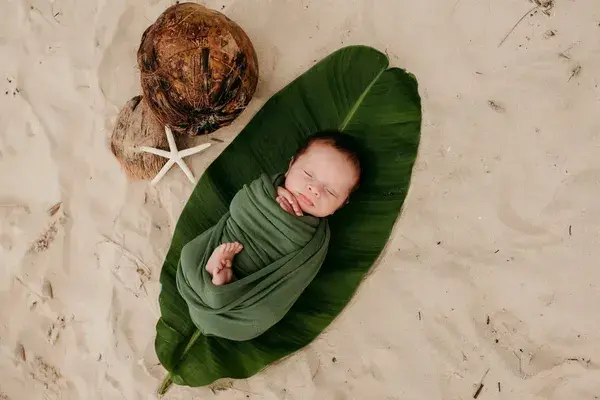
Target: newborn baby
point(320, 178)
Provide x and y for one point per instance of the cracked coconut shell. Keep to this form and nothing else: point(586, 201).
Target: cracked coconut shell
point(199, 69)
point(136, 126)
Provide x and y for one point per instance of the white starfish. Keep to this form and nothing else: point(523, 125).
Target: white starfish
point(174, 155)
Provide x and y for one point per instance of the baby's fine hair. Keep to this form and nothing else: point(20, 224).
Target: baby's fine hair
point(342, 142)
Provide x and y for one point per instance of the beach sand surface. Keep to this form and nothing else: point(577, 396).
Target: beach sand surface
point(491, 276)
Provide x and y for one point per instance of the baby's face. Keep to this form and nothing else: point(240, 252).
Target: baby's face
point(321, 179)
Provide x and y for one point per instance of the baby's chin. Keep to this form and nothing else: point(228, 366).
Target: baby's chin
point(312, 211)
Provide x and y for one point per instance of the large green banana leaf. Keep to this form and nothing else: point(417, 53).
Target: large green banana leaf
point(352, 90)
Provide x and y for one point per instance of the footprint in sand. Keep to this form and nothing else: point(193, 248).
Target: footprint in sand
point(45, 373)
point(55, 329)
point(19, 230)
point(49, 235)
point(12, 219)
point(128, 269)
point(114, 383)
point(509, 337)
point(23, 248)
point(530, 235)
point(45, 240)
point(20, 354)
point(576, 199)
point(574, 202)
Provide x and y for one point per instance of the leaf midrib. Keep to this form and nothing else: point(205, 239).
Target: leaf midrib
point(359, 101)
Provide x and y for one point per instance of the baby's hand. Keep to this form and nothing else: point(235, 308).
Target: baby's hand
point(287, 201)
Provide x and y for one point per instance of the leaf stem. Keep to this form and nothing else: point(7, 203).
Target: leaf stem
point(515, 25)
point(168, 381)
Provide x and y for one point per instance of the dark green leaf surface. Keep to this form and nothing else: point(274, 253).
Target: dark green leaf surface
point(352, 90)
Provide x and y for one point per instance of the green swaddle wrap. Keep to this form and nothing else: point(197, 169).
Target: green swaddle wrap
point(281, 256)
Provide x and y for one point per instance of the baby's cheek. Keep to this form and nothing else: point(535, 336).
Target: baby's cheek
point(326, 207)
point(337, 205)
point(288, 185)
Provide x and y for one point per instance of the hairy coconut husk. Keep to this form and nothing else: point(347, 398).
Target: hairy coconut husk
point(199, 69)
point(136, 126)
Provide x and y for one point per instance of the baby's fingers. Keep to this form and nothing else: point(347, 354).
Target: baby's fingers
point(285, 204)
point(297, 208)
point(291, 208)
point(293, 202)
point(294, 205)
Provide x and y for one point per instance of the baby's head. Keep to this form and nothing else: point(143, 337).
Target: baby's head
point(324, 172)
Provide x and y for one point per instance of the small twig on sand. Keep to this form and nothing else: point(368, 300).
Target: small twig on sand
point(55, 14)
point(316, 371)
point(480, 387)
point(127, 252)
point(518, 22)
point(519, 358)
point(574, 72)
point(54, 209)
point(563, 55)
point(545, 5)
point(41, 297)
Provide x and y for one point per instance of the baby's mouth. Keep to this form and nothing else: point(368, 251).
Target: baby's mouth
point(305, 199)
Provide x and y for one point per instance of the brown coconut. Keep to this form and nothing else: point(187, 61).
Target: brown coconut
point(199, 69)
point(136, 126)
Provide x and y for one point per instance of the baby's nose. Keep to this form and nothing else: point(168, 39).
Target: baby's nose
point(314, 189)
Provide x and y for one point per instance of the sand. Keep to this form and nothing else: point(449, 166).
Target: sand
point(492, 267)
